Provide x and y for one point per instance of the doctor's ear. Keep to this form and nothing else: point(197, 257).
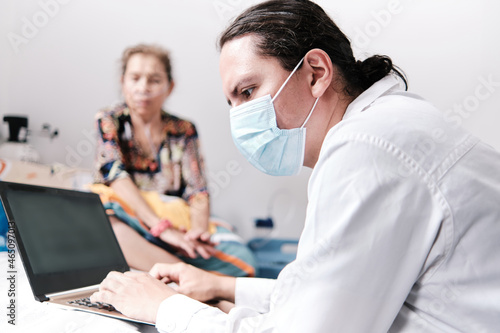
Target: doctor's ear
point(322, 70)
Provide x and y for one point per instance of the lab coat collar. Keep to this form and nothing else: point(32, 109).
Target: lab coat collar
point(363, 101)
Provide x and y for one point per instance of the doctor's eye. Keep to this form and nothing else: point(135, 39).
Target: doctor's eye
point(247, 92)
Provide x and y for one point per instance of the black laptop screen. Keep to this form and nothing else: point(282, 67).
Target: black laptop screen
point(63, 233)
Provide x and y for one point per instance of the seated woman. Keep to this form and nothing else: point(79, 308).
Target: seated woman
point(143, 151)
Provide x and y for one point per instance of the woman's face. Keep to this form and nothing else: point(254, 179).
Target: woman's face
point(145, 85)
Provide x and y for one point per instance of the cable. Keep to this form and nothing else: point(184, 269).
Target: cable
point(273, 230)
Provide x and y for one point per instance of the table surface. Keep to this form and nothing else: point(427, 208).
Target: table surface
point(56, 175)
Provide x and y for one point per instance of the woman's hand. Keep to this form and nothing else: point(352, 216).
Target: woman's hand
point(199, 208)
point(199, 234)
point(194, 282)
point(136, 295)
point(189, 247)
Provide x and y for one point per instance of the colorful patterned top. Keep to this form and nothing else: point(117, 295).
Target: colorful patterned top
point(177, 169)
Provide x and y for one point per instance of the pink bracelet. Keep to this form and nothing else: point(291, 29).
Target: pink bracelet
point(158, 229)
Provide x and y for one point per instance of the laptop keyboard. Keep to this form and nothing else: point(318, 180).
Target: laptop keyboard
point(86, 302)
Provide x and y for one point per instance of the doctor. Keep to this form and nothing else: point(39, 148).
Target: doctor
point(403, 223)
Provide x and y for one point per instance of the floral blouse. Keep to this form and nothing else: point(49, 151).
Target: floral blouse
point(177, 169)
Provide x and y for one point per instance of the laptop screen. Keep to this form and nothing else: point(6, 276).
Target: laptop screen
point(64, 236)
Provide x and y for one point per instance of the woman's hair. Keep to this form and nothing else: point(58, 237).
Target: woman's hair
point(288, 29)
point(154, 50)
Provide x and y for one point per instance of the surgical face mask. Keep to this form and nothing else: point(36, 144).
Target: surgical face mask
point(275, 151)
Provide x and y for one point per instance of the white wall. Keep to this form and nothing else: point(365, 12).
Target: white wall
point(66, 69)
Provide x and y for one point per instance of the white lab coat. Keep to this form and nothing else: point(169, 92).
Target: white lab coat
point(402, 233)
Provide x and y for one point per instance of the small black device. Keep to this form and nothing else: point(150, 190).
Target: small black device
point(16, 123)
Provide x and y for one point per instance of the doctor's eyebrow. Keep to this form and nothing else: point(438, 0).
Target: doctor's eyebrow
point(237, 87)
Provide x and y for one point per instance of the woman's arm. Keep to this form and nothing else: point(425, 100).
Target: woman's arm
point(129, 192)
point(196, 192)
point(200, 211)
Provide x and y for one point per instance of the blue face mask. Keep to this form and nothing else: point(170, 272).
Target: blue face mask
point(275, 151)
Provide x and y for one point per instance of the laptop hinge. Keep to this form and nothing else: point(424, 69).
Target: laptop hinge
point(41, 298)
point(72, 291)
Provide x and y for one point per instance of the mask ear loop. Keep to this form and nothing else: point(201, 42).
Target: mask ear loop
point(283, 86)
point(310, 113)
point(286, 81)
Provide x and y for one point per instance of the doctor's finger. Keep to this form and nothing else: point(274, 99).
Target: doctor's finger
point(170, 271)
point(102, 296)
point(114, 281)
point(113, 275)
point(135, 275)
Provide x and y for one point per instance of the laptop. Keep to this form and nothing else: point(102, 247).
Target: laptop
point(66, 243)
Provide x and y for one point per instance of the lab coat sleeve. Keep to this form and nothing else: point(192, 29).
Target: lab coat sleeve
point(373, 216)
point(180, 313)
point(254, 293)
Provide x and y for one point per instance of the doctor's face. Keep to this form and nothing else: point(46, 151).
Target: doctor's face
point(246, 75)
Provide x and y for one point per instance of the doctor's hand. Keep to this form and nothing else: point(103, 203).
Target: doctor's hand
point(136, 295)
point(196, 283)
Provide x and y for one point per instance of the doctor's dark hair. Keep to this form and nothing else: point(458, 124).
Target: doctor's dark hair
point(288, 29)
